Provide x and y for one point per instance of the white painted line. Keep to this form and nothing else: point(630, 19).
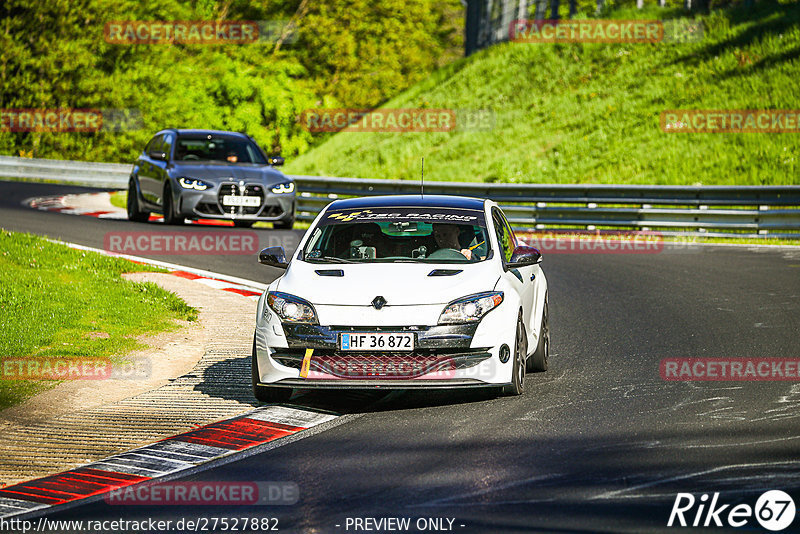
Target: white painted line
point(244, 283)
point(291, 416)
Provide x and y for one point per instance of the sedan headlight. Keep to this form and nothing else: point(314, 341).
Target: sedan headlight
point(470, 309)
point(290, 308)
point(191, 183)
point(283, 188)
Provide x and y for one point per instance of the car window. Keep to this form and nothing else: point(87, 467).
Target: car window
point(154, 144)
point(505, 237)
point(218, 148)
point(401, 234)
point(166, 145)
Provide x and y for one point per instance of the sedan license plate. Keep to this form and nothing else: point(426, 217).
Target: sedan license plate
point(232, 200)
point(377, 341)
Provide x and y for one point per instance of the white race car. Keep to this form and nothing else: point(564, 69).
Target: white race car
point(402, 292)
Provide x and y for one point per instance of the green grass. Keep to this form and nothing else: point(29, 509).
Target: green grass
point(589, 113)
point(71, 304)
point(119, 199)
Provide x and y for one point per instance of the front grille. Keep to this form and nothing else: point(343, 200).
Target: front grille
point(250, 190)
point(386, 365)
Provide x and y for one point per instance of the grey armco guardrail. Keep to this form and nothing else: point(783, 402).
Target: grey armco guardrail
point(763, 211)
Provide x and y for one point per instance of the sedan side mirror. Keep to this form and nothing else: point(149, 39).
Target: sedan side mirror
point(524, 256)
point(158, 155)
point(274, 257)
point(275, 161)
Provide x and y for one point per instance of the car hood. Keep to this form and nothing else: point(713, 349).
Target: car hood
point(220, 172)
point(398, 283)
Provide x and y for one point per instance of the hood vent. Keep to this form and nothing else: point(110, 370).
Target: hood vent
point(444, 272)
point(330, 272)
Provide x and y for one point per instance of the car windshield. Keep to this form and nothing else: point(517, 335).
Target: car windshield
point(399, 234)
point(224, 149)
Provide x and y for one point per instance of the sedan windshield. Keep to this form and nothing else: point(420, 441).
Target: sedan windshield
point(399, 234)
point(224, 149)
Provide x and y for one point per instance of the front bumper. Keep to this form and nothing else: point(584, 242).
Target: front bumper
point(208, 204)
point(444, 356)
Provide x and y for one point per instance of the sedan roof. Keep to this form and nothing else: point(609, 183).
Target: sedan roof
point(427, 201)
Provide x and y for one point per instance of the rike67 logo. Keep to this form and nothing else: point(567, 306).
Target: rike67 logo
point(774, 510)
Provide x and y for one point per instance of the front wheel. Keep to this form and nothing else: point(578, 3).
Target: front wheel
point(538, 360)
point(284, 224)
point(266, 393)
point(517, 384)
point(135, 213)
point(170, 217)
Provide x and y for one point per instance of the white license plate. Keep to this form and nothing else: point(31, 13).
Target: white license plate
point(231, 200)
point(377, 341)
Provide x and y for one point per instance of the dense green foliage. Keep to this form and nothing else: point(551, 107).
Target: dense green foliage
point(60, 302)
point(345, 53)
point(583, 113)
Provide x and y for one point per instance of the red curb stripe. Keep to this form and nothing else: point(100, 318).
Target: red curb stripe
point(188, 276)
point(95, 213)
point(70, 486)
point(238, 434)
point(213, 222)
point(245, 292)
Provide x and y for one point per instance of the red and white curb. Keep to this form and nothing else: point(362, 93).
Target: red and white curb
point(232, 284)
point(99, 205)
point(179, 454)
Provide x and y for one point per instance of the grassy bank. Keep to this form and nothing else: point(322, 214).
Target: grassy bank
point(589, 113)
point(56, 302)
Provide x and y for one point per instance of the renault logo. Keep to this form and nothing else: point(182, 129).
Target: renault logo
point(378, 302)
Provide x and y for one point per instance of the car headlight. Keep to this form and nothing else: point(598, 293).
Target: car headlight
point(470, 309)
point(290, 308)
point(283, 188)
point(191, 183)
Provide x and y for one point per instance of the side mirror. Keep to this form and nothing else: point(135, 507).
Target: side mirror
point(274, 257)
point(158, 155)
point(524, 256)
point(275, 161)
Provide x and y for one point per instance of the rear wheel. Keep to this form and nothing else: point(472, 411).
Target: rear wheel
point(135, 213)
point(517, 384)
point(538, 360)
point(262, 392)
point(170, 217)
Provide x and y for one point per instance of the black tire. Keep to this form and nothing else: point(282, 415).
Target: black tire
point(243, 224)
point(284, 224)
point(517, 385)
point(170, 217)
point(135, 212)
point(537, 363)
point(266, 393)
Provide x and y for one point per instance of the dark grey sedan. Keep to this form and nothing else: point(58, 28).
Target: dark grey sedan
point(206, 174)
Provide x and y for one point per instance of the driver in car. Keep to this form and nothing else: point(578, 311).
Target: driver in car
point(446, 236)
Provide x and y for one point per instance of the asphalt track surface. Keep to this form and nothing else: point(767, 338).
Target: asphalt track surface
point(598, 443)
